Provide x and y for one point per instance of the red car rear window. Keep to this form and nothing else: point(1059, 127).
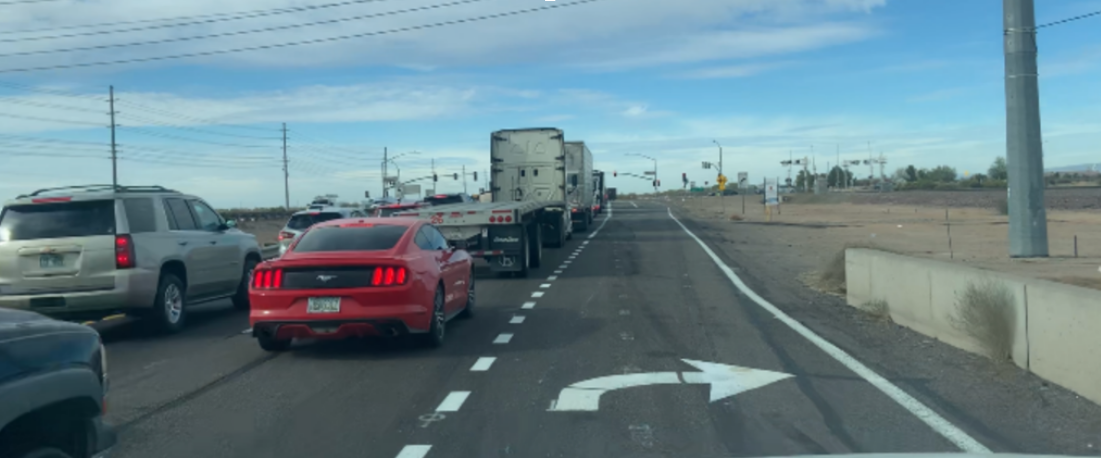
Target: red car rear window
point(350, 238)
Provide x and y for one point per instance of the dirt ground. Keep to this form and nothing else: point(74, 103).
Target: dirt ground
point(266, 232)
point(918, 224)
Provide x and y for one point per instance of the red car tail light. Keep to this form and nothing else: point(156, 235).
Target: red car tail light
point(389, 276)
point(285, 236)
point(267, 279)
point(124, 252)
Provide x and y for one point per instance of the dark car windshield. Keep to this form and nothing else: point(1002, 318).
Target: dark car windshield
point(305, 220)
point(444, 200)
point(359, 237)
point(56, 220)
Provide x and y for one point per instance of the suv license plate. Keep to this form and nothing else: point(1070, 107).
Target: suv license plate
point(50, 261)
point(324, 305)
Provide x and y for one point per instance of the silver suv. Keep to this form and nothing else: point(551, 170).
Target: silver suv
point(86, 252)
point(300, 221)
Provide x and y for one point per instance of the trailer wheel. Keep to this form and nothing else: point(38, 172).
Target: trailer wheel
point(525, 262)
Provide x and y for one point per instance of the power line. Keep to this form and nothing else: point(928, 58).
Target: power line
point(18, 101)
point(302, 42)
point(170, 114)
point(61, 121)
point(48, 140)
point(9, 144)
point(25, 87)
point(1069, 19)
point(143, 147)
point(192, 129)
point(139, 130)
point(206, 19)
point(235, 33)
point(203, 158)
point(23, 2)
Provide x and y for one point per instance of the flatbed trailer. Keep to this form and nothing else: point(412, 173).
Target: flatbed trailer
point(509, 235)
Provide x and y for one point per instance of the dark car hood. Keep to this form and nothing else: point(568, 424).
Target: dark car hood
point(15, 324)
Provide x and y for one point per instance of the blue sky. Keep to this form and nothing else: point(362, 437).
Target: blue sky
point(921, 80)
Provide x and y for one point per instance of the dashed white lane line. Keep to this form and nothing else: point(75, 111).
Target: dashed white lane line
point(573, 256)
point(528, 305)
point(246, 331)
point(503, 338)
point(537, 294)
point(414, 451)
point(636, 205)
point(566, 262)
point(585, 242)
point(483, 364)
point(545, 285)
point(453, 401)
point(557, 272)
point(925, 414)
point(516, 319)
point(552, 278)
point(563, 266)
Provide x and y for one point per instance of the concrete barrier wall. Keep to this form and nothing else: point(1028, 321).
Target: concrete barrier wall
point(1058, 327)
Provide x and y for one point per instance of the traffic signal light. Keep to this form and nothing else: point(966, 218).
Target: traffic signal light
point(475, 176)
point(655, 183)
point(659, 183)
point(615, 174)
point(456, 175)
point(684, 176)
point(435, 178)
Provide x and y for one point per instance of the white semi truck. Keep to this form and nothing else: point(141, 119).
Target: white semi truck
point(528, 209)
point(579, 189)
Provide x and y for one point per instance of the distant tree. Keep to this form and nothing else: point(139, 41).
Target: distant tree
point(998, 170)
point(911, 173)
point(941, 174)
point(838, 177)
point(900, 175)
point(804, 177)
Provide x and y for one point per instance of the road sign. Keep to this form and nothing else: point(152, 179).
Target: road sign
point(725, 381)
point(410, 189)
point(695, 189)
point(721, 179)
point(772, 196)
point(743, 179)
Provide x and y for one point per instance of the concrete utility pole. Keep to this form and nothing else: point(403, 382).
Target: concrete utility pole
point(286, 172)
point(114, 147)
point(1024, 144)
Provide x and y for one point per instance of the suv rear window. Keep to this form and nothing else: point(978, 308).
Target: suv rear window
point(444, 200)
point(305, 220)
point(57, 220)
point(356, 238)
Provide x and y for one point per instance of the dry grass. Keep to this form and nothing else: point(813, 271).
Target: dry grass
point(877, 308)
point(831, 277)
point(736, 218)
point(985, 312)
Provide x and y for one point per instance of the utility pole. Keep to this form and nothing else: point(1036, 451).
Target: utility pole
point(464, 178)
point(286, 172)
point(1024, 141)
point(114, 147)
point(385, 161)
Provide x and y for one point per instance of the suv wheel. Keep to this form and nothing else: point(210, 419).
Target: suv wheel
point(169, 307)
point(241, 299)
point(45, 453)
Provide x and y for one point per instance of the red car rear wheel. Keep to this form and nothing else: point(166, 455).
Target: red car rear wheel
point(436, 332)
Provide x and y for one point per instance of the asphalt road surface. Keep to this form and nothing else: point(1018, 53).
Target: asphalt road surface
point(632, 341)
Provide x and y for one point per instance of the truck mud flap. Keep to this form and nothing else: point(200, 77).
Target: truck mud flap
point(506, 248)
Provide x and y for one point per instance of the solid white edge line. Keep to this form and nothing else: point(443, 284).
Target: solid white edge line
point(503, 338)
point(516, 319)
point(453, 401)
point(528, 305)
point(602, 223)
point(925, 414)
point(483, 364)
point(414, 451)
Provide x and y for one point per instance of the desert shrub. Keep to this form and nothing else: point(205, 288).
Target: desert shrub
point(985, 313)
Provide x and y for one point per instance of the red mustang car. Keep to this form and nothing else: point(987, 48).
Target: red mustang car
point(361, 277)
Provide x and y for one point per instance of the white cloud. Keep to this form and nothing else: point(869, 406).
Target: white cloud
point(607, 34)
point(732, 71)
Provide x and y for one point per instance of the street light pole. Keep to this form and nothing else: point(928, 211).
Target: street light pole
point(722, 192)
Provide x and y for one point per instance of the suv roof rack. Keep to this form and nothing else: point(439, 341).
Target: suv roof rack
point(99, 188)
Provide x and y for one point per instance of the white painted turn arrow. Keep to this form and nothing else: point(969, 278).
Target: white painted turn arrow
point(725, 381)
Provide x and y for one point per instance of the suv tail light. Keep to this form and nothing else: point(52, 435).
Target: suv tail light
point(267, 279)
point(285, 236)
point(124, 252)
point(389, 276)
